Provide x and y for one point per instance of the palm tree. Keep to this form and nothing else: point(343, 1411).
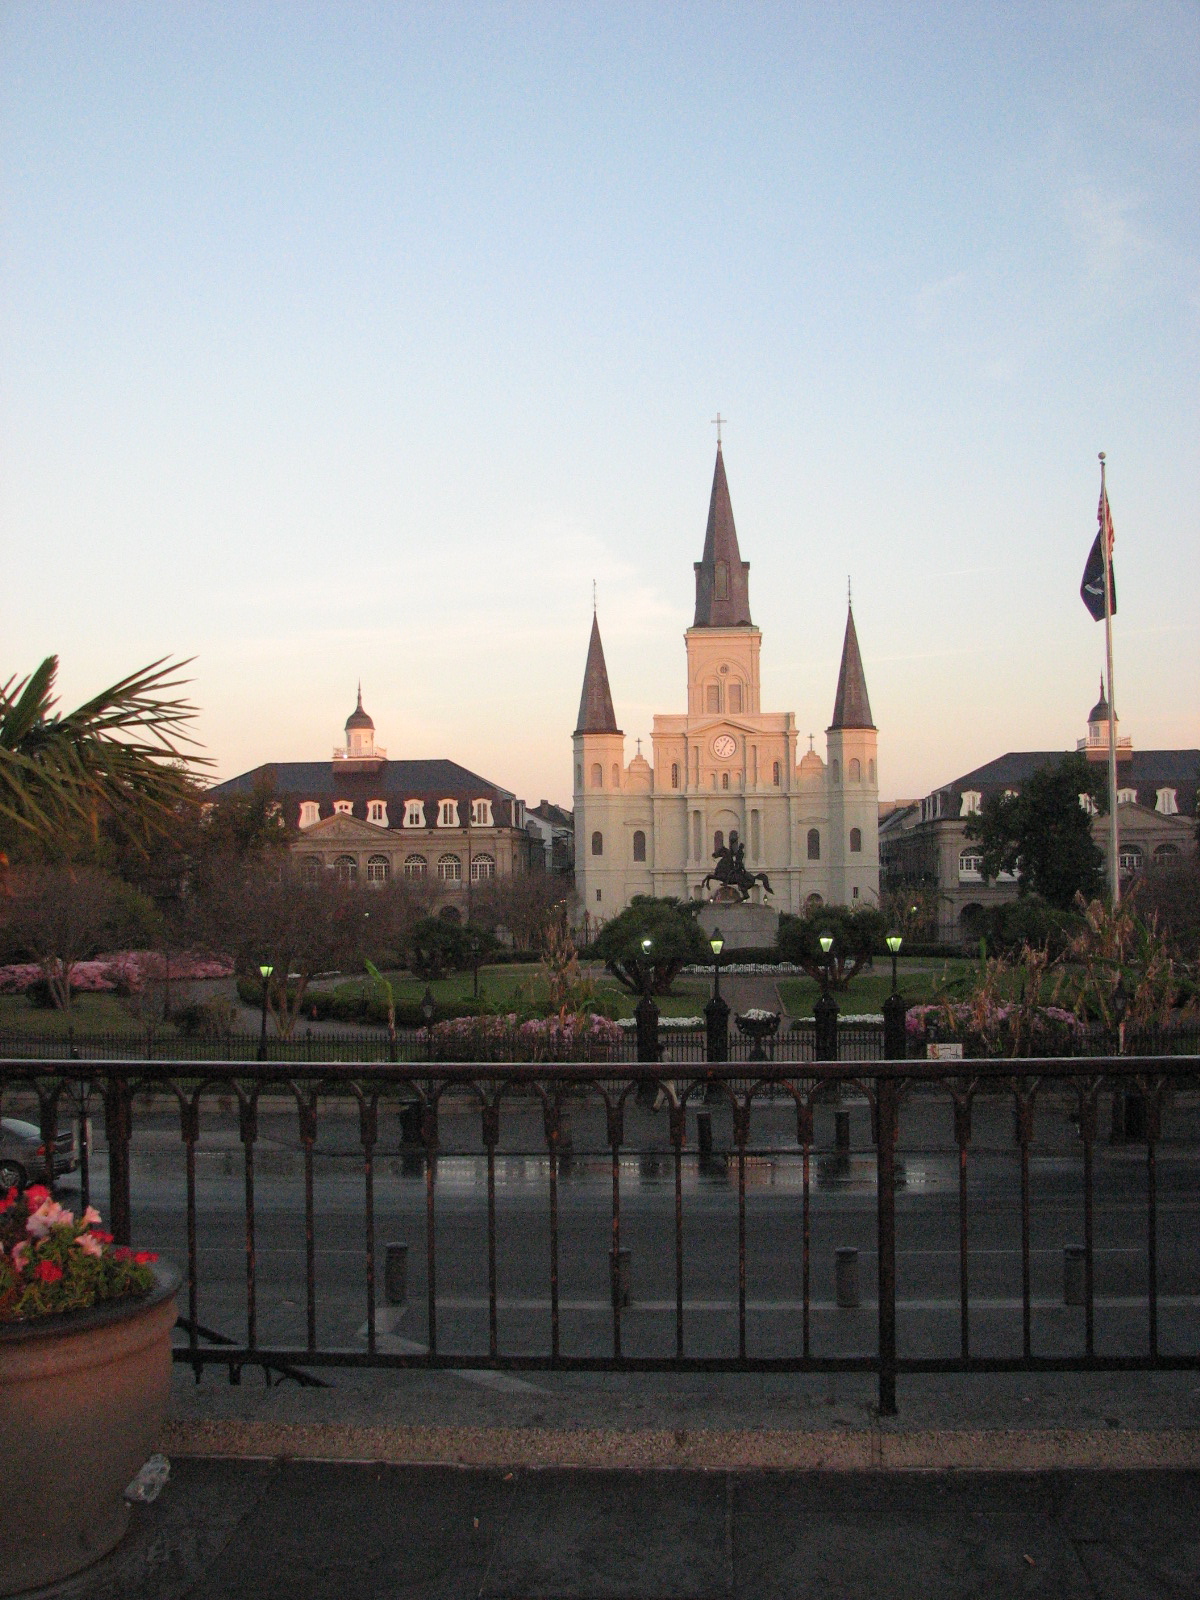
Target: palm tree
point(123, 754)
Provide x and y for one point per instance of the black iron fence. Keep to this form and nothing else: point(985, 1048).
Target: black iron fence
point(675, 1099)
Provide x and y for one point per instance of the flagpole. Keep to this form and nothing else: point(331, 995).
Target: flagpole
point(1114, 858)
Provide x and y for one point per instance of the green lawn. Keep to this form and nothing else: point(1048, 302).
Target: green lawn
point(90, 1013)
point(919, 982)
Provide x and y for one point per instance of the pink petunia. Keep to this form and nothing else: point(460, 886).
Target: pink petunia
point(89, 1244)
point(20, 1255)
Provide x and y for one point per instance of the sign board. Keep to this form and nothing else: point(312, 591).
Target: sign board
point(943, 1052)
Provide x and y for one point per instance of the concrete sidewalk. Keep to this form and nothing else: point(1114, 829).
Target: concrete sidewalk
point(278, 1530)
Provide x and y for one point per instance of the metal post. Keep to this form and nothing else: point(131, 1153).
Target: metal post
point(825, 1015)
point(716, 1019)
point(646, 1013)
point(885, 1096)
point(117, 1105)
point(895, 1036)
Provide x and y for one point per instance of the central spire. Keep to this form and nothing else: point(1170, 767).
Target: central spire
point(722, 577)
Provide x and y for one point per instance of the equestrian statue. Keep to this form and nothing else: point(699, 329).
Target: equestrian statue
point(731, 874)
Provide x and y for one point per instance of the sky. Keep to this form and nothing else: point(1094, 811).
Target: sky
point(356, 341)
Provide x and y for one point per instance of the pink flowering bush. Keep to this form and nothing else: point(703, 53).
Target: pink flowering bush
point(49, 1262)
point(568, 1036)
point(1007, 1029)
point(126, 970)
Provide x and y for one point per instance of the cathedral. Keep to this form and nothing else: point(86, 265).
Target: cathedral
point(725, 776)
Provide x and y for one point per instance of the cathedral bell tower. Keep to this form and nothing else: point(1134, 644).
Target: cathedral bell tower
point(722, 643)
point(852, 741)
point(599, 753)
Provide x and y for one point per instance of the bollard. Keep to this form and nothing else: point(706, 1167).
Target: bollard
point(1073, 1274)
point(845, 1275)
point(395, 1274)
point(704, 1135)
point(621, 1279)
point(841, 1132)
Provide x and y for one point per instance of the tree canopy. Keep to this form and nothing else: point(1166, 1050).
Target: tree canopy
point(1044, 835)
point(675, 940)
point(858, 935)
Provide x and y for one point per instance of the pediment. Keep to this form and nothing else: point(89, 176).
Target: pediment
point(342, 829)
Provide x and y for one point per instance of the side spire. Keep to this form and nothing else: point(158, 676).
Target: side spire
point(596, 714)
point(722, 577)
point(851, 708)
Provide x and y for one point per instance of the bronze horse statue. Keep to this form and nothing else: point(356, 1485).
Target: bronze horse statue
point(731, 871)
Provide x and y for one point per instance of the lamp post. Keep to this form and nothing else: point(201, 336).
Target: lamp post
point(825, 1012)
point(427, 1010)
point(262, 1036)
point(474, 947)
point(895, 1010)
point(647, 1012)
point(716, 1012)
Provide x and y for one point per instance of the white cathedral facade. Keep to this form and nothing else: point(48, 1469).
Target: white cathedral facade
point(726, 767)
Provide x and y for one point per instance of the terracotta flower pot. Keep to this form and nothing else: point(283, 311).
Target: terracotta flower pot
point(82, 1400)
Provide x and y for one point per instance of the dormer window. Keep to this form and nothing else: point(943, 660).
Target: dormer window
point(343, 808)
point(414, 813)
point(971, 801)
point(1087, 804)
point(377, 813)
point(447, 813)
point(481, 813)
point(1166, 803)
point(310, 813)
point(1127, 797)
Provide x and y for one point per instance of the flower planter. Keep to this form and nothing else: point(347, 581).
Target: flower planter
point(82, 1401)
point(758, 1027)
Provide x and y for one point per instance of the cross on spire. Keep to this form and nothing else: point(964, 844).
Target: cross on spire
point(593, 597)
point(718, 420)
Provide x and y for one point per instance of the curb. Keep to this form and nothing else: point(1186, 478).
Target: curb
point(980, 1450)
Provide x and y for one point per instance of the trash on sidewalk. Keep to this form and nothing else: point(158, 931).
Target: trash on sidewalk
point(150, 1481)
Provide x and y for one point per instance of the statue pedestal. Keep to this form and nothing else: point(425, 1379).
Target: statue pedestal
point(743, 927)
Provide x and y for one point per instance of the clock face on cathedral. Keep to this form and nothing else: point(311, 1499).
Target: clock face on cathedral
point(724, 745)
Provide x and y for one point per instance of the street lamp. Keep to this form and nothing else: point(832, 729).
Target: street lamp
point(895, 1011)
point(646, 1011)
point(894, 941)
point(262, 1037)
point(474, 946)
point(825, 1012)
point(716, 1012)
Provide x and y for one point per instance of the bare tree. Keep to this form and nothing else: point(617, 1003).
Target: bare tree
point(59, 916)
point(525, 905)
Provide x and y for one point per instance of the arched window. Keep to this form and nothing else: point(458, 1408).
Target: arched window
point(674, 774)
point(871, 771)
point(311, 871)
point(616, 776)
point(639, 845)
point(712, 697)
point(835, 771)
point(724, 780)
point(813, 903)
point(597, 843)
point(775, 773)
point(854, 771)
point(970, 865)
point(415, 866)
point(735, 698)
point(578, 775)
point(378, 869)
point(855, 841)
point(1164, 852)
point(1131, 858)
point(814, 844)
point(346, 868)
point(721, 584)
point(597, 775)
point(449, 869)
point(718, 841)
point(482, 867)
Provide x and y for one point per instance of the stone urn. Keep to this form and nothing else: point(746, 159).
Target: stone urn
point(758, 1027)
point(82, 1401)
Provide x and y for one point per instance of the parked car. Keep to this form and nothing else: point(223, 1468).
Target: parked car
point(22, 1154)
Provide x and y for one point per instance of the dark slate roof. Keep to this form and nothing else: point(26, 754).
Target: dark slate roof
point(394, 781)
point(1147, 771)
point(851, 708)
point(721, 544)
point(596, 714)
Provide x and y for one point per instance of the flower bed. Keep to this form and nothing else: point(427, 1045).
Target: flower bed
point(566, 1037)
point(1009, 1029)
point(127, 970)
point(50, 1262)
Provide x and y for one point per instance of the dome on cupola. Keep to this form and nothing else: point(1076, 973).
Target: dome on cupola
point(358, 718)
point(640, 773)
point(1100, 711)
point(812, 768)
